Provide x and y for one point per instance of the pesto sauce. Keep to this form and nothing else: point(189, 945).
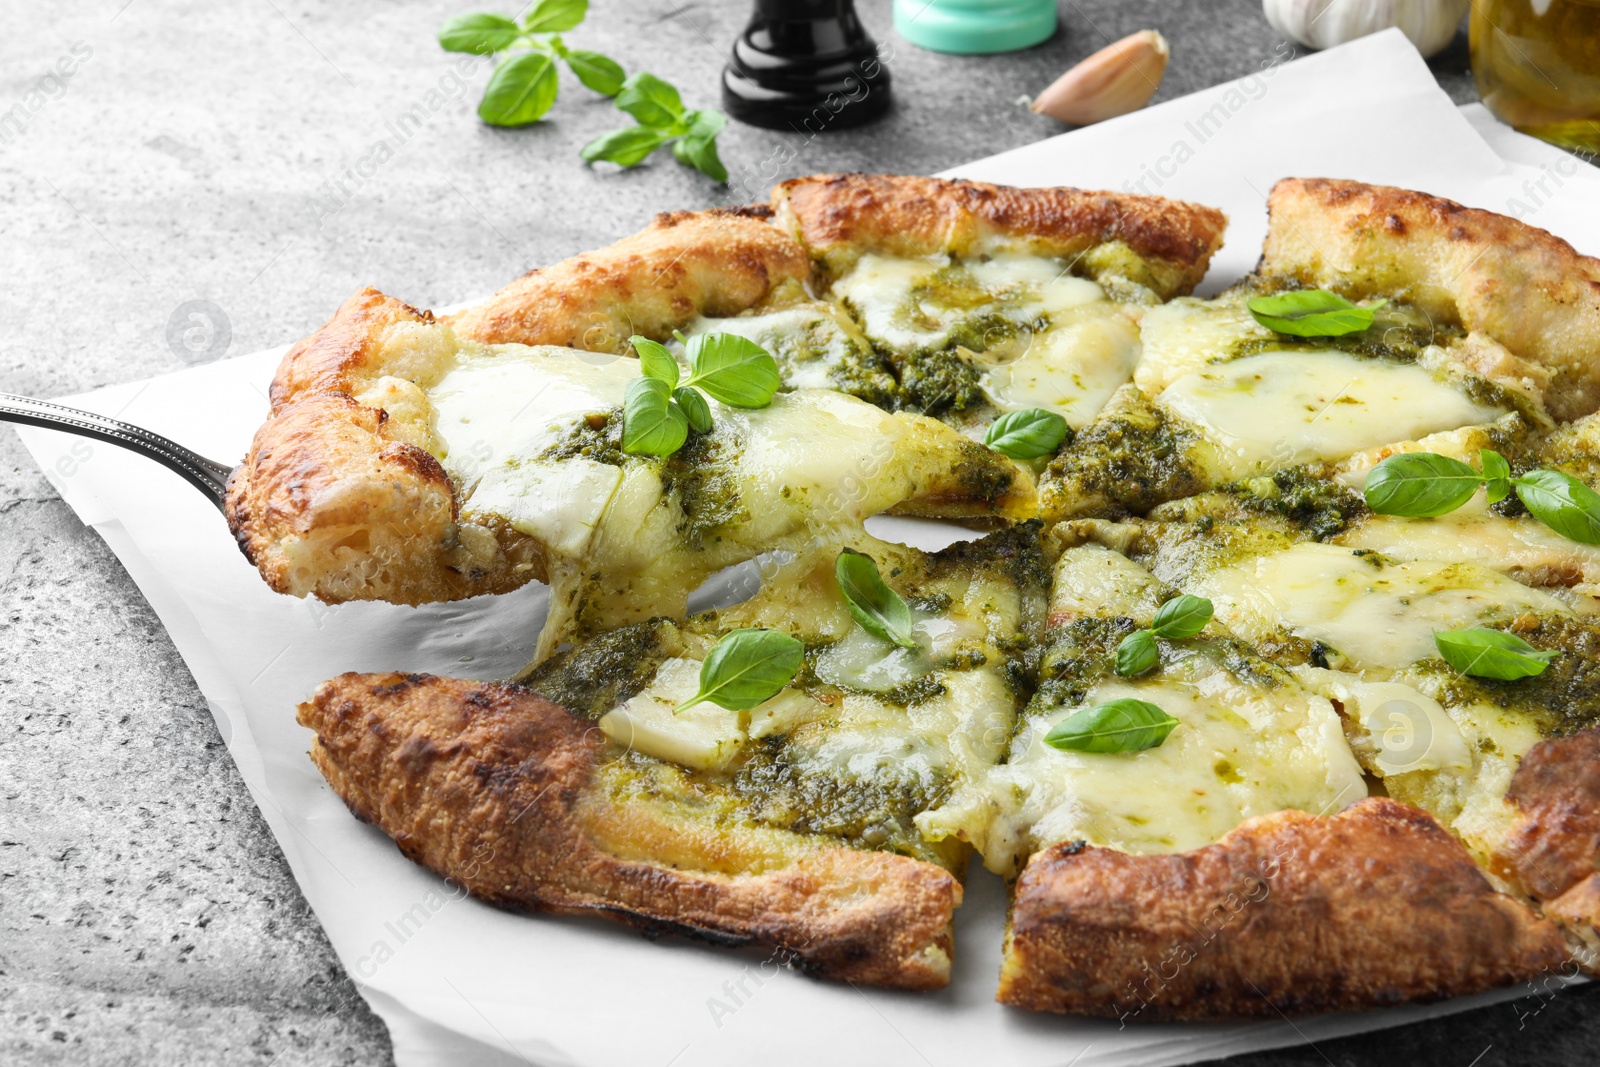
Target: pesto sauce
point(701, 479)
point(933, 383)
point(597, 437)
point(1133, 459)
point(776, 787)
point(1563, 699)
point(598, 675)
point(1317, 507)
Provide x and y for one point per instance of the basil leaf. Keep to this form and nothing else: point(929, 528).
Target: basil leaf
point(479, 34)
point(1420, 484)
point(733, 369)
point(1137, 654)
point(655, 361)
point(878, 609)
point(695, 409)
point(1026, 434)
point(1496, 474)
point(1562, 503)
point(520, 90)
point(627, 147)
point(698, 147)
point(746, 668)
point(652, 425)
point(1491, 654)
point(1311, 313)
point(651, 101)
point(600, 73)
point(1182, 616)
point(1125, 725)
point(553, 16)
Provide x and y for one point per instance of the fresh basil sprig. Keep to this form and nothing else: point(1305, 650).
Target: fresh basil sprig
point(1496, 654)
point(652, 425)
point(661, 407)
point(1182, 616)
point(1425, 485)
point(746, 668)
point(1125, 725)
point(657, 108)
point(1312, 313)
point(1026, 434)
point(879, 609)
point(524, 86)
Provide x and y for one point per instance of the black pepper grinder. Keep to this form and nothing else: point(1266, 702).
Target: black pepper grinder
point(805, 65)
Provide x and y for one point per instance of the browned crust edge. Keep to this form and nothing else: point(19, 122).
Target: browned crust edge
point(486, 784)
point(1289, 913)
point(1524, 287)
point(685, 263)
point(838, 216)
point(1552, 852)
point(328, 502)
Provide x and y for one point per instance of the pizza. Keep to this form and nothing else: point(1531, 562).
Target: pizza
point(1270, 687)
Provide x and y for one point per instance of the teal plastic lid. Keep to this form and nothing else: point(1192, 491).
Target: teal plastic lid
point(973, 27)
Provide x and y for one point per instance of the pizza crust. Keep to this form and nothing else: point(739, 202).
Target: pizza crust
point(1552, 851)
point(1164, 245)
point(491, 786)
point(1288, 914)
point(1526, 288)
point(684, 264)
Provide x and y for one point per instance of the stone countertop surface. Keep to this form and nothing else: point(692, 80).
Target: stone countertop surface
point(228, 153)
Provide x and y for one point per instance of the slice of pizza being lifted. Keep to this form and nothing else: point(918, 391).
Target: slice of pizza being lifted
point(406, 464)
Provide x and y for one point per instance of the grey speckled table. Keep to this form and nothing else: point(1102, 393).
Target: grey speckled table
point(145, 912)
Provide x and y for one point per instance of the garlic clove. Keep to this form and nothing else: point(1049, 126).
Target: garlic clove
point(1430, 24)
point(1120, 78)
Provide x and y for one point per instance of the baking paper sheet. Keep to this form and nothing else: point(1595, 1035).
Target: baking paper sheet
point(458, 982)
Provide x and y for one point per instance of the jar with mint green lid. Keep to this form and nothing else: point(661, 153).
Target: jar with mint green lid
point(975, 27)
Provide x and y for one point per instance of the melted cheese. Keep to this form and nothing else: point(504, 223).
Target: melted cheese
point(896, 300)
point(704, 737)
point(1072, 368)
point(1405, 729)
point(1242, 750)
point(1375, 613)
point(495, 413)
point(1182, 336)
point(1281, 409)
point(1522, 546)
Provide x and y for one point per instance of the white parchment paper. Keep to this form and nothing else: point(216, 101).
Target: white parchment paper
point(458, 982)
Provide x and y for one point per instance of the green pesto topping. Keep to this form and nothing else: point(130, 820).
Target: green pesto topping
point(1133, 460)
point(1318, 507)
point(701, 479)
point(937, 382)
point(595, 677)
point(1563, 699)
point(981, 474)
point(597, 437)
point(780, 787)
point(1079, 654)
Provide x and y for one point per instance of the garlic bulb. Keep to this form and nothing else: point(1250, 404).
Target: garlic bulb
point(1120, 78)
point(1430, 24)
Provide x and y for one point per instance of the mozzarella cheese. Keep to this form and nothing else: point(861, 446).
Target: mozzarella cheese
point(899, 304)
point(1374, 612)
point(807, 341)
point(1185, 334)
point(1241, 750)
point(1072, 368)
point(705, 737)
point(1282, 409)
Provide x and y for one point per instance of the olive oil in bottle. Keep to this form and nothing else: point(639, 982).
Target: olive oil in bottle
point(1537, 63)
